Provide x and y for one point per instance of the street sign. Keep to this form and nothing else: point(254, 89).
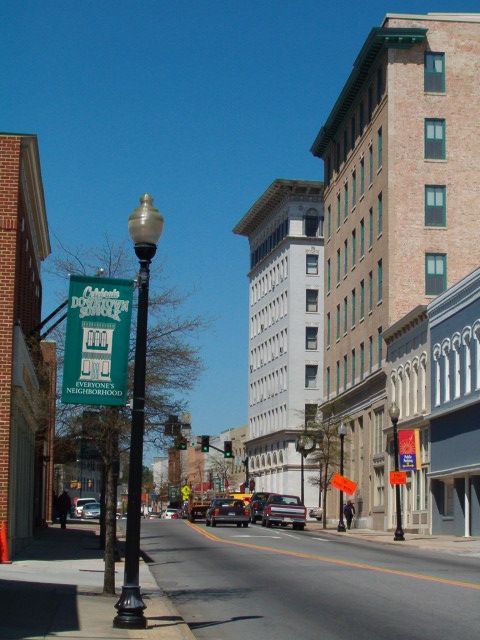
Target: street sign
point(185, 492)
point(343, 484)
point(398, 477)
point(173, 492)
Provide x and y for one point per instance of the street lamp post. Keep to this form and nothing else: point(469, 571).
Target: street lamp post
point(394, 412)
point(342, 432)
point(145, 226)
point(305, 445)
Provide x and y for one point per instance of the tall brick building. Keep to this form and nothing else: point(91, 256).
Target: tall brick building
point(25, 419)
point(400, 150)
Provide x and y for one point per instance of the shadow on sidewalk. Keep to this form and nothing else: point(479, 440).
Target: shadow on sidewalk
point(54, 543)
point(31, 609)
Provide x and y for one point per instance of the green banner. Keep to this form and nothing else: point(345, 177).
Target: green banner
point(97, 341)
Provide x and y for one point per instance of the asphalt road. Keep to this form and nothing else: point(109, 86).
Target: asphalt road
point(231, 584)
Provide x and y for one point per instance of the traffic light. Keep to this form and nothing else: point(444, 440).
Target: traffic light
point(205, 444)
point(181, 443)
point(227, 449)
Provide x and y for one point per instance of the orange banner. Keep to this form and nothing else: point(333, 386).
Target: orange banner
point(398, 477)
point(343, 484)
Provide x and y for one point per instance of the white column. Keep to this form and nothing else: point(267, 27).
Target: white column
point(467, 507)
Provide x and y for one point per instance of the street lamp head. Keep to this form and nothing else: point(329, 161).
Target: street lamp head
point(145, 223)
point(394, 412)
point(342, 429)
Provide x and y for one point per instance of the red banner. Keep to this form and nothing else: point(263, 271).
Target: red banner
point(409, 449)
point(398, 477)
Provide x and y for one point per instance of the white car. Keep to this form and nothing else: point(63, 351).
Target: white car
point(80, 503)
point(171, 514)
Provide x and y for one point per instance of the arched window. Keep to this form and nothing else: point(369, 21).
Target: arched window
point(476, 333)
point(446, 355)
point(407, 389)
point(280, 457)
point(313, 224)
point(275, 459)
point(269, 461)
point(467, 342)
point(456, 344)
point(437, 352)
point(393, 389)
point(400, 390)
point(423, 381)
point(415, 386)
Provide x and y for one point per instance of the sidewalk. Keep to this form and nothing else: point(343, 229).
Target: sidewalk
point(439, 543)
point(53, 589)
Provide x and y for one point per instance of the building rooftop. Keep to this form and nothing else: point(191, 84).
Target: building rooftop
point(276, 193)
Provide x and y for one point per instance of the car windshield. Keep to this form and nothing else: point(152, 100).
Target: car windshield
point(285, 500)
point(261, 496)
point(91, 505)
point(226, 502)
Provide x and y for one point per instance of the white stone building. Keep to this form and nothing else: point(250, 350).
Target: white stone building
point(285, 232)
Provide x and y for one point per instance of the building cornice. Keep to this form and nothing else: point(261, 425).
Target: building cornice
point(277, 193)
point(455, 298)
point(411, 319)
point(379, 39)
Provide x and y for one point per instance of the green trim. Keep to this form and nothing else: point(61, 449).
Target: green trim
point(429, 291)
point(443, 139)
point(434, 74)
point(436, 188)
point(378, 40)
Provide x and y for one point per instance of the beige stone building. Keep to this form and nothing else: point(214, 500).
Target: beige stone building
point(400, 151)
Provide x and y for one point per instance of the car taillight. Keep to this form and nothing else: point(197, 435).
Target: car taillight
point(216, 512)
point(246, 512)
point(174, 516)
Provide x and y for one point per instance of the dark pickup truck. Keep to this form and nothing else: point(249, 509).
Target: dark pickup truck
point(227, 510)
point(257, 504)
point(281, 509)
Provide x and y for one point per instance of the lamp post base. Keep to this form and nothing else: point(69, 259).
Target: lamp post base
point(341, 527)
point(398, 536)
point(130, 610)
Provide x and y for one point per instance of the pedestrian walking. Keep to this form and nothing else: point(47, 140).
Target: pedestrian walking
point(349, 512)
point(63, 508)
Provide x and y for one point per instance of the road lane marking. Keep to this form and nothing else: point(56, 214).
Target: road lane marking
point(246, 535)
point(341, 563)
point(322, 539)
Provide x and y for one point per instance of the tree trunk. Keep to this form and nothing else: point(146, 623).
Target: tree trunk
point(325, 487)
point(111, 467)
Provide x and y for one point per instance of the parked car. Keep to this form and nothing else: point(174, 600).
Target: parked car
point(170, 514)
point(316, 512)
point(227, 510)
point(91, 510)
point(79, 503)
point(283, 510)
point(257, 503)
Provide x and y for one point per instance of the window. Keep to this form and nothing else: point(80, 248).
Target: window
point(345, 315)
point(338, 322)
point(448, 498)
point(434, 75)
point(353, 307)
point(362, 237)
point(329, 221)
point(362, 177)
point(380, 214)
point(362, 360)
point(345, 371)
point(435, 273)
point(338, 210)
point(328, 382)
point(378, 496)
point(353, 367)
point(345, 257)
point(311, 371)
point(370, 230)
point(329, 328)
point(362, 299)
point(311, 341)
point(354, 188)
point(312, 300)
point(370, 164)
point(435, 139)
point(435, 207)
point(379, 281)
point(379, 148)
point(370, 291)
point(338, 266)
point(311, 225)
point(329, 275)
point(354, 247)
point(379, 346)
point(345, 204)
point(312, 263)
point(338, 378)
point(378, 419)
point(370, 354)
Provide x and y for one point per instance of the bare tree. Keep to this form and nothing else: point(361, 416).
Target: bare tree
point(221, 468)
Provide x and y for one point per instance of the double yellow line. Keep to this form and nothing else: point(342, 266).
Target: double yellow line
point(341, 563)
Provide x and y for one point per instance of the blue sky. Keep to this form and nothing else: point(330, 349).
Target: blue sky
point(201, 103)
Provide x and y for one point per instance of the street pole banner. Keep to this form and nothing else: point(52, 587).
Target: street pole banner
point(342, 483)
point(97, 341)
point(409, 449)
